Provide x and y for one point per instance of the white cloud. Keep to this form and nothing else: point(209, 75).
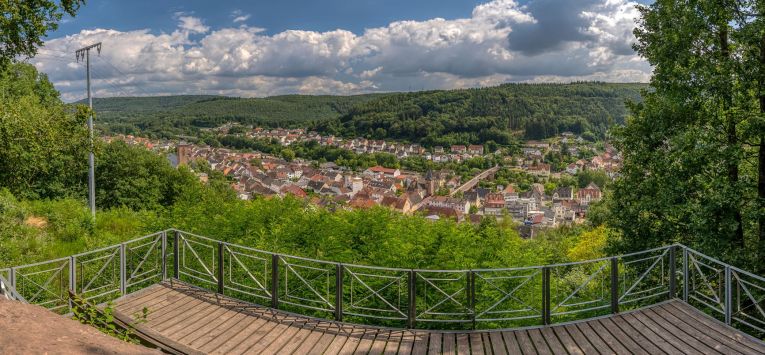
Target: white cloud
point(434, 54)
point(239, 16)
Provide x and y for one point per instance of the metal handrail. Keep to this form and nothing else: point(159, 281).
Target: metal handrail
point(9, 292)
point(516, 296)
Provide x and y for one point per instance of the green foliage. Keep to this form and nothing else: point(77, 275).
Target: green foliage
point(690, 171)
point(137, 178)
point(24, 24)
point(101, 319)
point(476, 116)
point(169, 116)
point(43, 146)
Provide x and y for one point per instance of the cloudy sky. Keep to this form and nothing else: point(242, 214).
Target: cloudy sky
point(262, 48)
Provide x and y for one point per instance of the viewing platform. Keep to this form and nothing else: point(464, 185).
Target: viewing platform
point(208, 296)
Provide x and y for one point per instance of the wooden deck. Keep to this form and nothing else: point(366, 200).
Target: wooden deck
point(211, 323)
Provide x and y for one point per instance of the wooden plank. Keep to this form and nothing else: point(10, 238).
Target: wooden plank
point(717, 327)
point(316, 342)
point(365, 344)
point(394, 340)
point(434, 344)
point(497, 344)
point(291, 343)
point(463, 343)
point(420, 344)
point(155, 303)
point(647, 334)
point(511, 342)
point(268, 337)
point(677, 342)
point(525, 343)
point(539, 341)
point(567, 341)
point(595, 339)
point(552, 340)
point(661, 315)
point(645, 340)
point(352, 343)
point(140, 298)
point(248, 339)
point(237, 337)
point(580, 339)
point(477, 343)
point(282, 340)
point(169, 303)
point(447, 343)
point(606, 324)
point(597, 330)
point(210, 321)
point(682, 319)
point(218, 331)
point(407, 343)
point(226, 335)
point(177, 314)
point(193, 322)
point(342, 336)
point(682, 337)
point(378, 347)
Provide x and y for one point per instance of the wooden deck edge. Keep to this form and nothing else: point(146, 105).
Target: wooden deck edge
point(164, 343)
point(722, 324)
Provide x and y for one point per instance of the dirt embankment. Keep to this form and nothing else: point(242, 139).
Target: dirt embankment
point(30, 329)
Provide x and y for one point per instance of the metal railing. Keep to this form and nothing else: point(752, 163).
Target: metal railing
point(412, 298)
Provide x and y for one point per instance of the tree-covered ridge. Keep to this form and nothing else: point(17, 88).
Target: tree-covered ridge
point(430, 117)
point(185, 115)
point(476, 116)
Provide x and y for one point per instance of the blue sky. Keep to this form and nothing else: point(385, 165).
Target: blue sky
point(263, 48)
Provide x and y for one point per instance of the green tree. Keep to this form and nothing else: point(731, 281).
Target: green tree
point(24, 24)
point(43, 143)
point(690, 150)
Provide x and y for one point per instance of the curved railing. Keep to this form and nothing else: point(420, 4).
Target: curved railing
point(412, 298)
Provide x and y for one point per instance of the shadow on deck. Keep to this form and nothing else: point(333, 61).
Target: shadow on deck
point(212, 323)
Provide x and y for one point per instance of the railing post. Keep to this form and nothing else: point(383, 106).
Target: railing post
point(13, 279)
point(412, 310)
point(672, 273)
point(176, 269)
point(164, 256)
point(123, 270)
point(72, 278)
point(685, 274)
point(274, 281)
point(471, 295)
point(545, 295)
point(339, 274)
point(614, 285)
point(220, 267)
point(728, 295)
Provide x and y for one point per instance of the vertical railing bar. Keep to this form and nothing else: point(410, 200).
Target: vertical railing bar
point(672, 273)
point(339, 276)
point(614, 285)
point(546, 295)
point(123, 270)
point(728, 295)
point(274, 281)
point(176, 239)
point(164, 256)
point(13, 279)
point(72, 279)
point(685, 274)
point(412, 290)
point(220, 267)
point(471, 294)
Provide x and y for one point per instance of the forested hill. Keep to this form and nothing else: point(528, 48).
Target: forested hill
point(429, 117)
point(184, 114)
point(497, 113)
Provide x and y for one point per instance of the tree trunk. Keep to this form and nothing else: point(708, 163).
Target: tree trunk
point(732, 138)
